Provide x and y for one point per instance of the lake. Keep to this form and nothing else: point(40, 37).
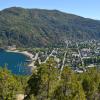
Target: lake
point(15, 62)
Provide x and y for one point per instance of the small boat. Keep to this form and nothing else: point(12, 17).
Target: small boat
point(28, 60)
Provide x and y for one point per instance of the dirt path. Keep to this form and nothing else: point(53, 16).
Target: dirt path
point(19, 96)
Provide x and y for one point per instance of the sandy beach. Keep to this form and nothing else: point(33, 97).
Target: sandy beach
point(22, 52)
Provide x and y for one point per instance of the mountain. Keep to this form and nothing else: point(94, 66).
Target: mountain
point(39, 27)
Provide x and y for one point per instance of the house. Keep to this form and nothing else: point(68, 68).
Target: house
point(91, 65)
point(13, 47)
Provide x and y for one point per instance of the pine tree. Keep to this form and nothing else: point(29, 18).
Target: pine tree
point(43, 82)
point(70, 88)
point(9, 86)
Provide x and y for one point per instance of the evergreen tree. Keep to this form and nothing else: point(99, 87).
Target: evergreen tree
point(43, 82)
point(70, 88)
point(9, 86)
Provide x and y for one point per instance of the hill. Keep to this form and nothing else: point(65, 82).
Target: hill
point(38, 27)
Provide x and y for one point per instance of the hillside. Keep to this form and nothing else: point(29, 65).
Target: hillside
point(36, 27)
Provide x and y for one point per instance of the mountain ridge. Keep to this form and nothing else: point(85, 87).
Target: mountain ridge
point(39, 27)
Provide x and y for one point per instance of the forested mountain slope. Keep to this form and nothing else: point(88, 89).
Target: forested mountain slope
point(36, 27)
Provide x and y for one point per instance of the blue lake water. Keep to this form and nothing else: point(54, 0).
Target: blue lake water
point(15, 62)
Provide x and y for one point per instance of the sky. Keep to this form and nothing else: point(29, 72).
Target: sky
point(85, 8)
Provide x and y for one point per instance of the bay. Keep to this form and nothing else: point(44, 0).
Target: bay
point(15, 62)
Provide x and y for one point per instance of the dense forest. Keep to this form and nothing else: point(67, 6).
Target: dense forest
point(48, 82)
point(36, 27)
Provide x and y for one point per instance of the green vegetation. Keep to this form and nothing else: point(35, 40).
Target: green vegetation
point(38, 28)
point(46, 84)
point(35, 29)
point(11, 85)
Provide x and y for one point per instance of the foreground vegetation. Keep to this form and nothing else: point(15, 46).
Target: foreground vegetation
point(50, 83)
point(11, 85)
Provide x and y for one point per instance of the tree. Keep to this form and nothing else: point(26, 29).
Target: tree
point(69, 88)
point(9, 86)
point(43, 82)
point(90, 83)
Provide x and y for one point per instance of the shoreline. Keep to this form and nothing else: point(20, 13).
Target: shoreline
point(26, 53)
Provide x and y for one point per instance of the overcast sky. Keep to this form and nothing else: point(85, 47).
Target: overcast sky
point(85, 8)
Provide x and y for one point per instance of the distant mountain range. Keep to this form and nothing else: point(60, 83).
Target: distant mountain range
point(37, 27)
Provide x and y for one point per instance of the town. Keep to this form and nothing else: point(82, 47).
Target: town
point(77, 55)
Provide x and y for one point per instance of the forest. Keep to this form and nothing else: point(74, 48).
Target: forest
point(48, 82)
point(44, 28)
